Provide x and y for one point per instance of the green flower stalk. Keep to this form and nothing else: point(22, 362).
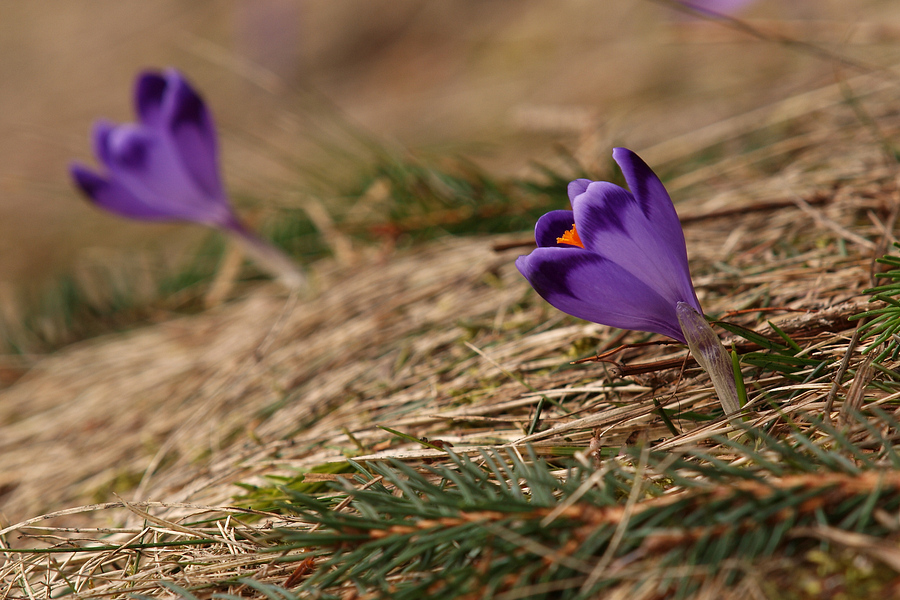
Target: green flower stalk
point(710, 354)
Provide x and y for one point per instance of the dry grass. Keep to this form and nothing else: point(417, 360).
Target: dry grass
point(444, 342)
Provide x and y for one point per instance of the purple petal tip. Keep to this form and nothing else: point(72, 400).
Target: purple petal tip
point(86, 180)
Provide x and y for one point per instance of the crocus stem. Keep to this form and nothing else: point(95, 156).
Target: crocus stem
point(710, 354)
point(270, 258)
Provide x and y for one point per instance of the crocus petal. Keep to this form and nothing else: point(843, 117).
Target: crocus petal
point(168, 104)
point(112, 196)
point(635, 232)
point(193, 134)
point(577, 187)
point(100, 140)
point(716, 8)
point(653, 199)
point(551, 226)
point(144, 163)
point(591, 287)
point(149, 95)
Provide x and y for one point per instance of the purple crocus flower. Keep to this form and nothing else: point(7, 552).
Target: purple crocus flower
point(165, 167)
point(618, 258)
point(716, 8)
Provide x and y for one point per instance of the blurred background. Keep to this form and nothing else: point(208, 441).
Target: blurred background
point(311, 95)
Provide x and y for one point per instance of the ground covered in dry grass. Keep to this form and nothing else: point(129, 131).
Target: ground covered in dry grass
point(418, 425)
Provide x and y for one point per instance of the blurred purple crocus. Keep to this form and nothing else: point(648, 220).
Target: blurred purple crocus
point(165, 167)
point(716, 8)
point(618, 258)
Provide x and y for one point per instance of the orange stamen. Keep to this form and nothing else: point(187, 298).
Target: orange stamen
point(570, 237)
